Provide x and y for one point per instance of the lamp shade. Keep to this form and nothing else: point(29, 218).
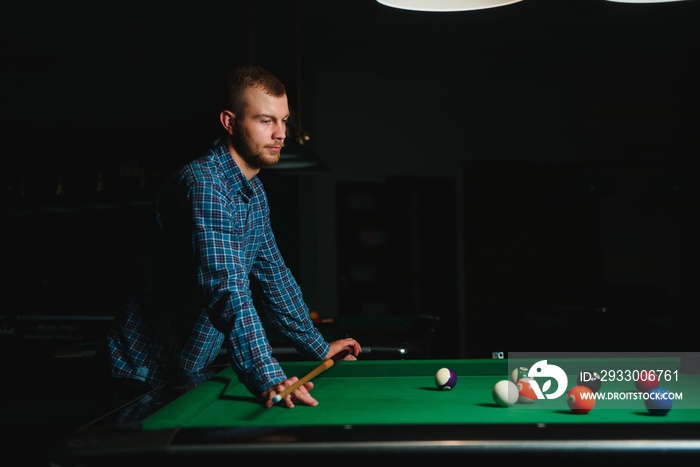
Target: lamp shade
point(446, 5)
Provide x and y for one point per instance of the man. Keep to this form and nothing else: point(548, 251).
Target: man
point(210, 272)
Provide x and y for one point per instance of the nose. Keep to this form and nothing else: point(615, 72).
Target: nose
point(280, 131)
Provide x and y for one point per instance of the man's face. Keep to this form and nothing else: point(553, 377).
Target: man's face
point(258, 136)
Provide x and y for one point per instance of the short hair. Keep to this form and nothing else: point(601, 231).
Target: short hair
point(238, 79)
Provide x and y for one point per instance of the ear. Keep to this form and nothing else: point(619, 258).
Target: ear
point(227, 120)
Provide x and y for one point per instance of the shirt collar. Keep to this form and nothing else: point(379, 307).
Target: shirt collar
point(232, 172)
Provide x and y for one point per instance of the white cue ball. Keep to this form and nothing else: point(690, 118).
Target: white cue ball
point(505, 393)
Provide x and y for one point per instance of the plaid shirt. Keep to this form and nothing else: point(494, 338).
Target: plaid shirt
point(208, 253)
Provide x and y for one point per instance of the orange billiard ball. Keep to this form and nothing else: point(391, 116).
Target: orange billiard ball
point(581, 399)
point(526, 395)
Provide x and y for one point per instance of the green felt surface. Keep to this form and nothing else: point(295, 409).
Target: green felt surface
point(390, 392)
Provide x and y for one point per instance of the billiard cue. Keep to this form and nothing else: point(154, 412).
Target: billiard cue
point(312, 374)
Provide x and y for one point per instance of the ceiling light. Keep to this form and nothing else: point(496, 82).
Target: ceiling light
point(445, 5)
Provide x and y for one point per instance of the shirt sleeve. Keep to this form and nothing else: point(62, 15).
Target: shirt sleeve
point(232, 242)
point(219, 250)
point(282, 302)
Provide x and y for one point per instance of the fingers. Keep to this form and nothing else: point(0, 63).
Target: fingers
point(348, 342)
point(300, 396)
point(303, 396)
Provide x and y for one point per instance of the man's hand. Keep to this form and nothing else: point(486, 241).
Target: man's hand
point(350, 343)
point(300, 396)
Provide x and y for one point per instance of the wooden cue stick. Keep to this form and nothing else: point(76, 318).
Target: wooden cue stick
point(326, 364)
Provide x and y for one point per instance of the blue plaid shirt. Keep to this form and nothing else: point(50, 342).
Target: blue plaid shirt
point(208, 252)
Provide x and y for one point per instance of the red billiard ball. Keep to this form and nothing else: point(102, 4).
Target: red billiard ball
point(646, 380)
point(590, 379)
point(581, 399)
point(526, 395)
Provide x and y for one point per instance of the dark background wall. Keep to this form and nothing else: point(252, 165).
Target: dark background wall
point(526, 158)
point(472, 135)
point(527, 174)
point(438, 112)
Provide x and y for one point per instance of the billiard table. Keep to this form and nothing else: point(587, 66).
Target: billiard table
point(369, 410)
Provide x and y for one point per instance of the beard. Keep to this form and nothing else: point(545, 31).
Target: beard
point(254, 155)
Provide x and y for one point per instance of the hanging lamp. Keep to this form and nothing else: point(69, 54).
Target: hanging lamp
point(445, 5)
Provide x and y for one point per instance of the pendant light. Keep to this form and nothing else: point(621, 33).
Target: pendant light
point(446, 5)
